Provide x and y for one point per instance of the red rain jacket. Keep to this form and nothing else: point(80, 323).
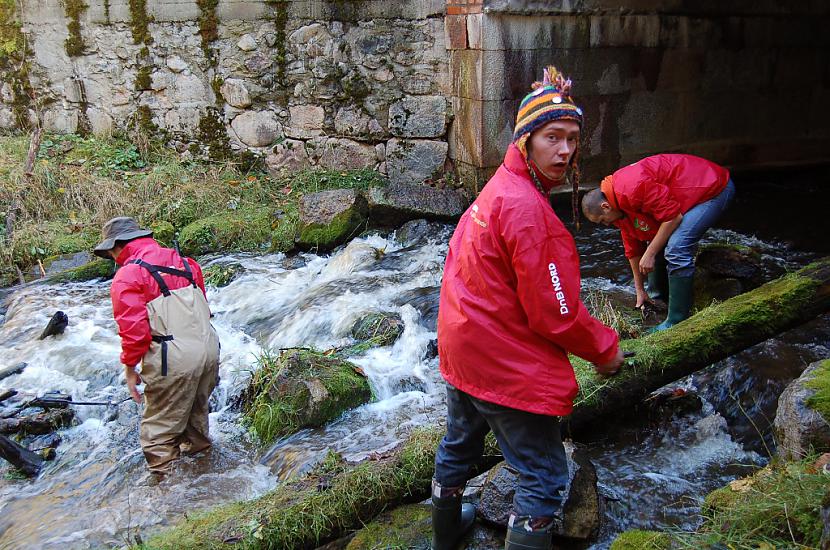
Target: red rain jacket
point(656, 189)
point(133, 288)
point(510, 310)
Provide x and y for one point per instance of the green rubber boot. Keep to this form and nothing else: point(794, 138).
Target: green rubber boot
point(680, 301)
point(451, 519)
point(522, 537)
point(658, 280)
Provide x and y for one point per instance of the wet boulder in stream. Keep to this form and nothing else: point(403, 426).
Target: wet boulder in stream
point(301, 388)
point(723, 271)
point(798, 425)
point(57, 324)
point(396, 203)
point(330, 218)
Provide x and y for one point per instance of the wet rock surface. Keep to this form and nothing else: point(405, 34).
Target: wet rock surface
point(798, 427)
point(397, 203)
point(330, 218)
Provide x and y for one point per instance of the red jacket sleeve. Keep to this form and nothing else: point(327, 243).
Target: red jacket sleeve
point(548, 286)
point(130, 310)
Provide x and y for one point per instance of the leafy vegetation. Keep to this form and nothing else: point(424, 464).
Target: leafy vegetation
point(81, 182)
point(820, 400)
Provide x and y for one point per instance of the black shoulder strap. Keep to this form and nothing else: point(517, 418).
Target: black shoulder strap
point(155, 271)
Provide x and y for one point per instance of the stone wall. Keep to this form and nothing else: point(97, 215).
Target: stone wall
point(338, 84)
point(419, 87)
point(743, 83)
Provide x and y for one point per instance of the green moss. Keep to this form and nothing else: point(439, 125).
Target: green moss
point(820, 400)
point(74, 44)
point(11, 37)
point(636, 539)
point(144, 120)
point(325, 237)
point(242, 229)
point(14, 62)
point(316, 508)
point(143, 80)
point(213, 135)
point(93, 270)
point(301, 389)
point(719, 499)
point(216, 85)
point(403, 528)
point(280, 23)
point(107, 12)
point(208, 26)
point(140, 22)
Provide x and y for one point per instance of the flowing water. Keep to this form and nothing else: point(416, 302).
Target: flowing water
point(97, 493)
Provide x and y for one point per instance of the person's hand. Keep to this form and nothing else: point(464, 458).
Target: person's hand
point(612, 366)
point(133, 380)
point(646, 263)
point(642, 299)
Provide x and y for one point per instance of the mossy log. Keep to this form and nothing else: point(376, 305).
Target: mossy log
point(326, 504)
point(20, 457)
point(331, 500)
point(709, 336)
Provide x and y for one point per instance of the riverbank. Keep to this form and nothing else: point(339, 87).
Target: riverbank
point(78, 183)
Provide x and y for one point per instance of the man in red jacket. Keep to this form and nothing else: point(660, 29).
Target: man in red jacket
point(159, 303)
point(509, 314)
point(662, 205)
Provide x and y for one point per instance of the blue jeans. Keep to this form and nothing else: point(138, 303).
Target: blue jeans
point(682, 245)
point(531, 445)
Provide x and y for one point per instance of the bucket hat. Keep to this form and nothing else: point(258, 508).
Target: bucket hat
point(119, 229)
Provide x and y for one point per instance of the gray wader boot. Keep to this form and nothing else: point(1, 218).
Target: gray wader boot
point(680, 301)
point(451, 519)
point(519, 537)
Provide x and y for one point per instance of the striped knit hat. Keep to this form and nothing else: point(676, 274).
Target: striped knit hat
point(549, 100)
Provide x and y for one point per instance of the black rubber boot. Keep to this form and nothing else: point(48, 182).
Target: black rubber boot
point(451, 519)
point(519, 539)
point(680, 301)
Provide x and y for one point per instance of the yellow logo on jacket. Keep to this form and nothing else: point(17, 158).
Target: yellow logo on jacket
point(641, 225)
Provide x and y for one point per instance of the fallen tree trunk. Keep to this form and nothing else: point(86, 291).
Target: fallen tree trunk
point(6, 394)
point(323, 506)
point(713, 334)
point(20, 457)
point(38, 424)
point(8, 371)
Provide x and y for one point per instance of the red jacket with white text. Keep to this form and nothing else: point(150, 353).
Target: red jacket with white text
point(655, 190)
point(510, 311)
point(133, 288)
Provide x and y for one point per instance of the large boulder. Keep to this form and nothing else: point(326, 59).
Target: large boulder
point(798, 426)
point(345, 154)
point(723, 271)
point(581, 512)
point(396, 203)
point(243, 229)
point(330, 218)
point(414, 160)
point(301, 389)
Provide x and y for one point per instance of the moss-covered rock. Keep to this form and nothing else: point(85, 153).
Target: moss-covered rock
point(93, 270)
point(407, 527)
point(802, 419)
point(637, 539)
point(301, 389)
point(325, 504)
point(243, 229)
point(330, 218)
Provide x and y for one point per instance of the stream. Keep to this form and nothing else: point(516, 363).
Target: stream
point(97, 492)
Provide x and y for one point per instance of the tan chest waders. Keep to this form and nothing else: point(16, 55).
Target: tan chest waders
point(179, 370)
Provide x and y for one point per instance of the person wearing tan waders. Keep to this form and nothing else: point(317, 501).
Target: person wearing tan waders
point(159, 303)
point(509, 315)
